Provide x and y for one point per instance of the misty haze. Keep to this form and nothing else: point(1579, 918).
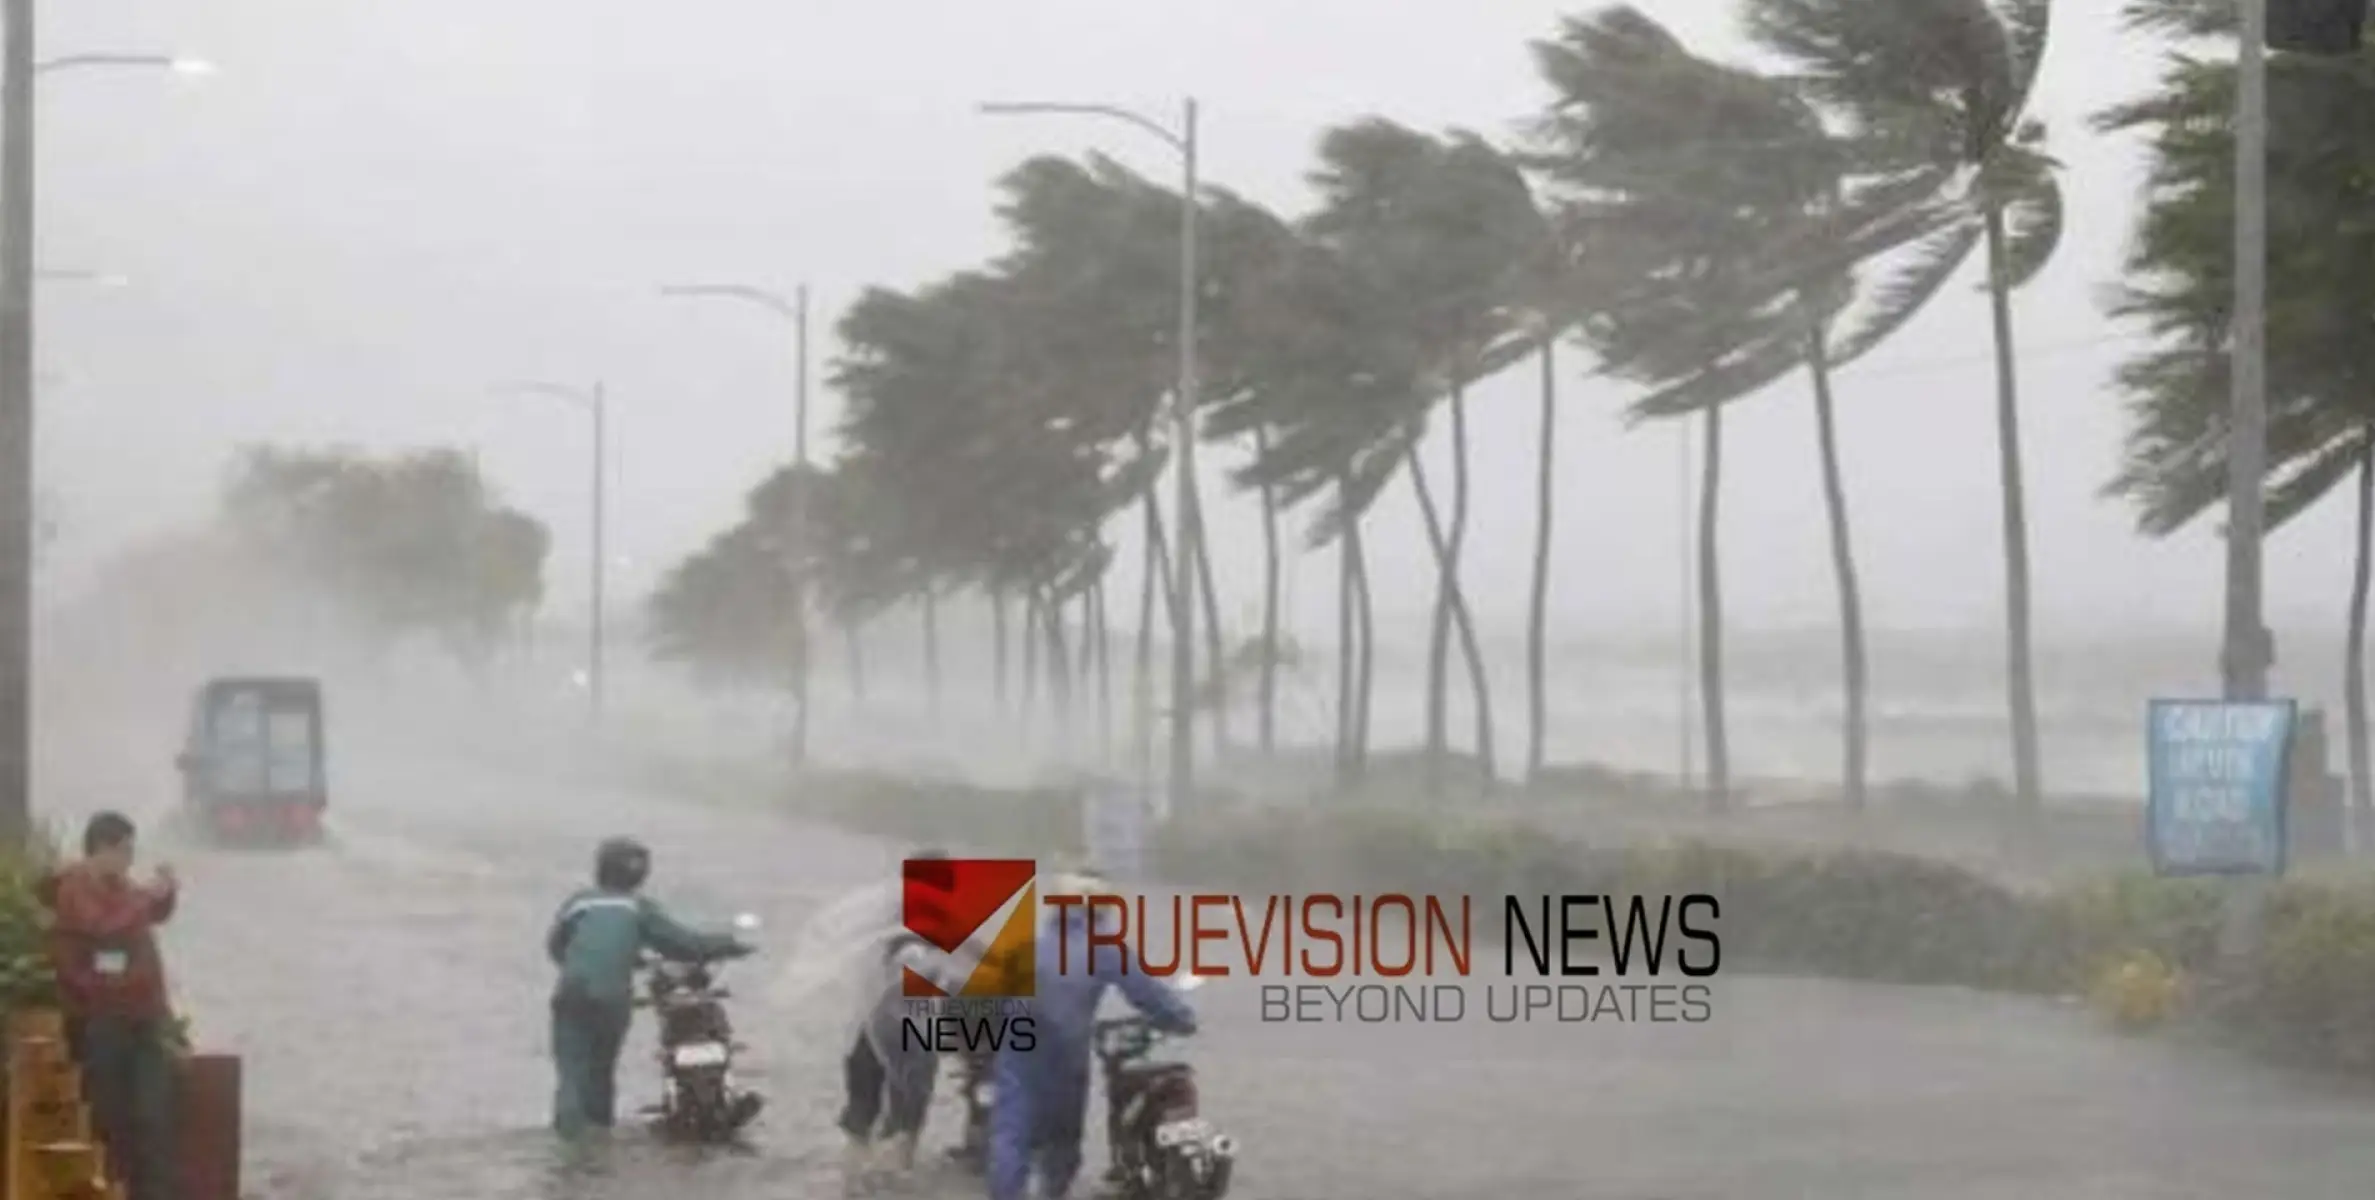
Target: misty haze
point(1767, 456)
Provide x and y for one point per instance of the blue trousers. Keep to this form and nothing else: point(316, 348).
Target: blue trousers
point(587, 1039)
point(1036, 1124)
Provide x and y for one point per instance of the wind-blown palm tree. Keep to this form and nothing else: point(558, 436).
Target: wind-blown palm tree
point(2321, 428)
point(1685, 182)
point(1445, 234)
point(1943, 87)
point(1636, 115)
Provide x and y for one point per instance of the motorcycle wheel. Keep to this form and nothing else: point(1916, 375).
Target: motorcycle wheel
point(700, 1110)
point(1176, 1178)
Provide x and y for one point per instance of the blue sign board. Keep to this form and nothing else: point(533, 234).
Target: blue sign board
point(2218, 775)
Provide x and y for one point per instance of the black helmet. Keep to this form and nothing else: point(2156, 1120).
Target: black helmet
point(621, 864)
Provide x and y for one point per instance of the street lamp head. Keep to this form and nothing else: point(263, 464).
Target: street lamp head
point(194, 67)
point(586, 398)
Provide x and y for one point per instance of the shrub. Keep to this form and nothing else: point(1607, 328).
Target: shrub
point(2130, 942)
point(2137, 991)
point(26, 980)
point(2308, 995)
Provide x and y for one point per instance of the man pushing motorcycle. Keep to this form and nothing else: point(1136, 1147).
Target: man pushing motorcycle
point(597, 940)
point(1038, 1121)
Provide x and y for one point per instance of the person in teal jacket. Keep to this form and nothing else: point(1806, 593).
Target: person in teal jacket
point(597, 940)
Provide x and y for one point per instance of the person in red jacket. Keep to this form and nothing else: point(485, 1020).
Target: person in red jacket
point(103, 945)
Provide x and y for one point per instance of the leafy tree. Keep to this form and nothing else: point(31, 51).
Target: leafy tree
point(2180, 283)
point(407, 545)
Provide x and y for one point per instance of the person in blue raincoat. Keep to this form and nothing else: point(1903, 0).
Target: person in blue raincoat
point(597, 940)
point(1043, 1092)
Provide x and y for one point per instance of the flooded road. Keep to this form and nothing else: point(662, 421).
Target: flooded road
point(387, 995)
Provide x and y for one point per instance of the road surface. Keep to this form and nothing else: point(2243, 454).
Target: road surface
point(387, 994)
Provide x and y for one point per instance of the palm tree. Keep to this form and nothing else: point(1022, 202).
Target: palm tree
point(2321, 429)
point(1245, 246)
point(1943, 86)
point(1686, 184)
point(1322, 376)
point(1443, 233)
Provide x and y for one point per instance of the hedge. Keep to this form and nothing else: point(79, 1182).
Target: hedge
point(1849, 914)
point(26, 980)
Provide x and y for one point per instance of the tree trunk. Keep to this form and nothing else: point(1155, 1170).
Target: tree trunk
point(1270, 557)
point(1461, 622)
point(1851, 603)
point(855, 642)
point(1059, 663)
point(1365, 689)
point(2354, 662)
point(1346, 652)
point(1538, 610)
point(932, 646)
point(1439, 629)
point(1711, 620)
point(802, 684)
point(998, 632)
point(1030, 636)
point(1158, 576)
point(1215, 645)
point(1103, 650)
point(2019, 677)
point(1151, 571)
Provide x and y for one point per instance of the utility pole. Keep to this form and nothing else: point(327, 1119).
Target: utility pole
point(595, 670)
point(1191, 523)
point(1183, 412)
point(793, 311)
point(16, 423)
point(594, 403)
point(800, 396)
point(803, 681)
point(2249, 650)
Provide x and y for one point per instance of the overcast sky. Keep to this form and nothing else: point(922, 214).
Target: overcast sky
point(375, 210)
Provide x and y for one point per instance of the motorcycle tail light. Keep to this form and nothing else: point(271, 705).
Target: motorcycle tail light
point(1180, 1095)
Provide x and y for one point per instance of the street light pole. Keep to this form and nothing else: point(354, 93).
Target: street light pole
point(2249, 648)
point(16, 423)
point(795, 312)
point(594, 402)
point(803, 676)
point(18, 69)
point(800, 395)
point(1191, 520)
point(1183, 410)
point(597, 670)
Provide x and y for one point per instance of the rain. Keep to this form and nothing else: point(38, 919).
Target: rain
point(1781, 495)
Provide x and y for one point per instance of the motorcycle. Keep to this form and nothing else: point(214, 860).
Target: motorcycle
point(699, 1100)
point(1159, 1145)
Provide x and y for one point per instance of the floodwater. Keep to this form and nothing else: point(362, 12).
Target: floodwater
point(387, 994)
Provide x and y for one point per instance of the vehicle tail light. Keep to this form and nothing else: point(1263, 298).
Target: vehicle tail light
point(1179, 1096)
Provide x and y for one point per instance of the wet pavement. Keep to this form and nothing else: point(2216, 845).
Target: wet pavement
point(387, 994)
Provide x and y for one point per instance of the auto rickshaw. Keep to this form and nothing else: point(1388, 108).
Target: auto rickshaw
point(252, 766)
